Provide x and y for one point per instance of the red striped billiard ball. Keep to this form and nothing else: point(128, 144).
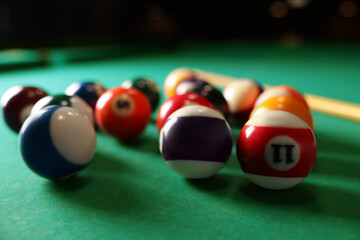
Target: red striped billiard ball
point(276, 149)
point(123, 112)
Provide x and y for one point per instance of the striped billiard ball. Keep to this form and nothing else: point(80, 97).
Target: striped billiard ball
point(280, 90)
point(276, 149)
point(57, 142)
point(196, 141)
point(285, 103)
point(68, 101)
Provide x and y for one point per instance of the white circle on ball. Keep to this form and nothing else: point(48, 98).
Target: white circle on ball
point(73, 135)
point(82, 106)
point(123, 105)
point(282, 153)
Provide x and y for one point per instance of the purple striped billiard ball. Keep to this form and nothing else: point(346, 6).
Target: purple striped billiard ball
point(196, 141)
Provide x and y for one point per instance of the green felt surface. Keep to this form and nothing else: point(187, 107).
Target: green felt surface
point(128, 192)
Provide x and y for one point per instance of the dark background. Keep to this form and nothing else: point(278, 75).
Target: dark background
point(82, 22)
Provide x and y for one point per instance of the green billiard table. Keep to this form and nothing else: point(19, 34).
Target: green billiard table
point(128, 191)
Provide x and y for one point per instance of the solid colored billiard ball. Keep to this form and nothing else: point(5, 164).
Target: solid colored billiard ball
point(285, 103)
point(57, 142)
point(276, 149)
point(89, 91)
point(176, 102)
point(17, 103)
point(241, 96)
point(214, 96)
point(188, 85)
point(147, 86)
point(174, 78)
point(123, 112)
point(280, 90)
point(196, 141)
point(65, 100)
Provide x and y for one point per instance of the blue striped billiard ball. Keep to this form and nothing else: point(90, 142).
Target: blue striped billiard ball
point(57, 142)
point(196, 141)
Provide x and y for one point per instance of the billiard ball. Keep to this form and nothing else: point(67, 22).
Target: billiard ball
point(178, 101)
point(65, 100)
point(57, 142)
point(276, 149)
point(174, 78)
point(17, 103)
point(241, 96)
point(147, 86)
point(280, 90)
point(123, 112)
point(285, 103)
point(196, 141)
point(188, 85)
point(214, 96)
point(89, 91)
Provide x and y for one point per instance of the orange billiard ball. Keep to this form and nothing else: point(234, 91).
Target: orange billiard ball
point(285, 103)
point(123, 112)
point(280, 90)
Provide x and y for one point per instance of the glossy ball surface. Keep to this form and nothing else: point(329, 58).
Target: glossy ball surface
point(280, 90)
point(276, 150)
point(189, 85)
point(123, 112)
point(148, 87)
point(215, 97)
point(241, 96)
point(285, 103)
point(57, 142)
point(17, 103)
point(89, 91)
point(177, 102)
point(174, 78)
point(68, 101)
point(196, 141)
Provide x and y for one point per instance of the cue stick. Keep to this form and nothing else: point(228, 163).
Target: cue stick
point(347, 110)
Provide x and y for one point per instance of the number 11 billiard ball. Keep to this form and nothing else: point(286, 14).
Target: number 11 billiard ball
point(276, 149)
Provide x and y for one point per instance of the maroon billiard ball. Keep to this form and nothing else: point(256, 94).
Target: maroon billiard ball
point(17, 103)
